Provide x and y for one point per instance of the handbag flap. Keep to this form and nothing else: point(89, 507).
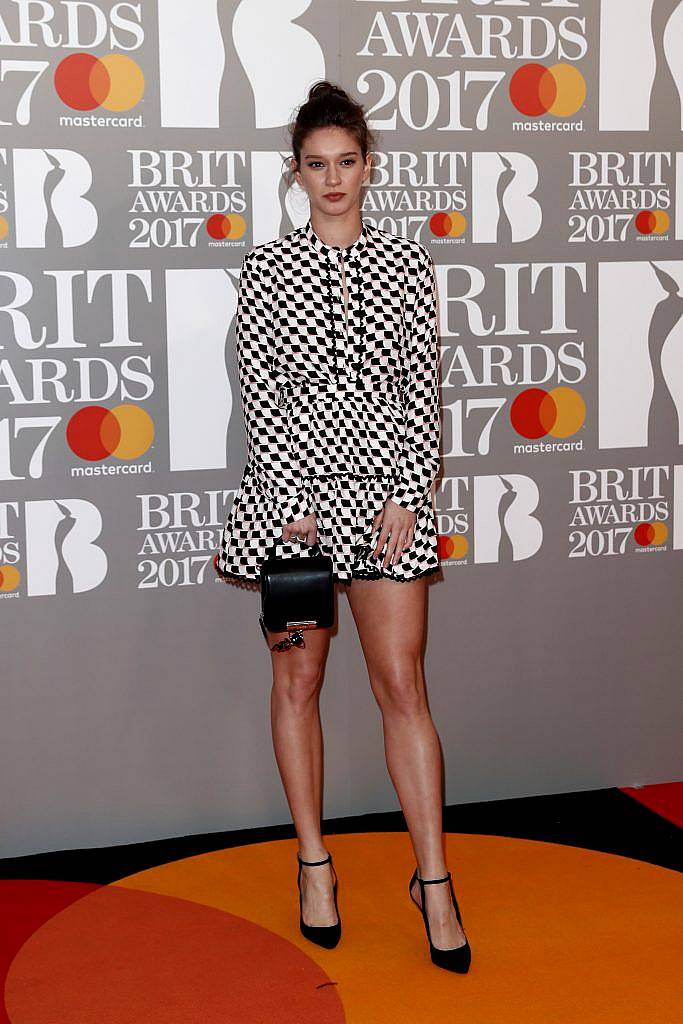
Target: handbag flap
point(298, 589)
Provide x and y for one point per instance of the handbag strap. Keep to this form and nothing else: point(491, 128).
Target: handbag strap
point(270, 552)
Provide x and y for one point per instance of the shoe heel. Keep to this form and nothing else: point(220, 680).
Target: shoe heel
point(457, 958)
point(325, 935)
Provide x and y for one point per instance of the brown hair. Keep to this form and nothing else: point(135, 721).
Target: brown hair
point(328, 105)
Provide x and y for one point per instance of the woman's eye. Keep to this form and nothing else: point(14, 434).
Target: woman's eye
point(317, 163)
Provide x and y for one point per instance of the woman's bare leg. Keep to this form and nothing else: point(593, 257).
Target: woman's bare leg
point(390, 617)
point(298, 746)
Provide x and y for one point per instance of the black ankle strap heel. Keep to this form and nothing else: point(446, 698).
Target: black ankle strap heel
point(326, 935)
point(458, 958)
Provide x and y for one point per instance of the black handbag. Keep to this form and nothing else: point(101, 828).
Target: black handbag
point(296, 592)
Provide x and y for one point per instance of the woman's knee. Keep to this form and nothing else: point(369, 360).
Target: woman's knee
point(400, 688)
point(298, 684)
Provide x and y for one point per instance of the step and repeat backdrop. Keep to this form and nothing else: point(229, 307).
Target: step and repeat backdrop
point(536, 148)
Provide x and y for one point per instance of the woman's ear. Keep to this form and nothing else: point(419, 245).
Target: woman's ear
point(368, 167)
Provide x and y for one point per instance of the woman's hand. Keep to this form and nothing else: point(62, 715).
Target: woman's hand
point(397, 529)
point(306, 529)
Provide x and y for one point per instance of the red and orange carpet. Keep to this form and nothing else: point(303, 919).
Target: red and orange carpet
point(573, 905)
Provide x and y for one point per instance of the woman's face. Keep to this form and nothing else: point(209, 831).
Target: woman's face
point(331, 162)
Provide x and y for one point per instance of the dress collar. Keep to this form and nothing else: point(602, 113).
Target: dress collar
point(333, 250)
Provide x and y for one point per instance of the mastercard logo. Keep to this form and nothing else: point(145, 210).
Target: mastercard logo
point(451, 545)
point(536, 412)
point(652, 222)
point(448, 225)
point(4, 227)
point(648, 534)
point(94, 433)
point(223, 226)
point(10, 578)
point(84, 82)
point(559, 90)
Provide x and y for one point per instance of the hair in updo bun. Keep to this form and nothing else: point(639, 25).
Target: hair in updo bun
point(328, 105)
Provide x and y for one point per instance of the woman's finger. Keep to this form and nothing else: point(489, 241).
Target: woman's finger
point(391, 547)
point(401, 544)
point(384, 535)
point(397, 548)
point(401, 547)
point(395, 544)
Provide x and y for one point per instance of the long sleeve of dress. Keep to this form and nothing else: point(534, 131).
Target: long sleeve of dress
point(419, 463)
point(268, 449)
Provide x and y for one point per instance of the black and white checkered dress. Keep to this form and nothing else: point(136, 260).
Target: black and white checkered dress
point(341, 406)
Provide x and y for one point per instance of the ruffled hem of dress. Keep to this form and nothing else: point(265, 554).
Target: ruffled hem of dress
point(377, 574)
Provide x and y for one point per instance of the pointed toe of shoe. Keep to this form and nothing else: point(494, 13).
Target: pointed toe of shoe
point(326, 936)
point(458, 959)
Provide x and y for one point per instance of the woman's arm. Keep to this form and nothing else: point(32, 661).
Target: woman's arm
point(277, 473)
point(420, 459)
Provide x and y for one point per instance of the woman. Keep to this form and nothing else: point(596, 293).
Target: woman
point(337, 353)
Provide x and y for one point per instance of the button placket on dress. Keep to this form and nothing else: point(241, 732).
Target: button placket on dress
point(340, 342)
point(333, 266)
point(349, 350)
point(343, 261)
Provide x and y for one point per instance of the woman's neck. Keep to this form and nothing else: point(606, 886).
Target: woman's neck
point(338, 231)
